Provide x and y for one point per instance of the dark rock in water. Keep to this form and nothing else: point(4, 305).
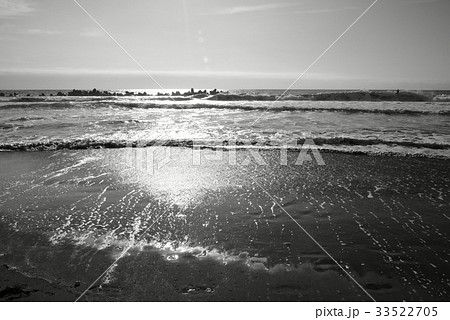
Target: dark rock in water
point(42, 94)
point(93, 92)
point(60, 94)
point(200, 95)
point(2, 94)
point(368, 96)
point(77, 284)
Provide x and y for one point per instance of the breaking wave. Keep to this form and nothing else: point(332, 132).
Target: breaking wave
point(279, 106)
point(337, 144)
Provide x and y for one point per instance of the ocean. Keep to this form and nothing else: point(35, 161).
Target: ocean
point(248, 117)
point(233, 197)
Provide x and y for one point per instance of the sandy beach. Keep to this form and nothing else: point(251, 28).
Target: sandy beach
point(209, 232)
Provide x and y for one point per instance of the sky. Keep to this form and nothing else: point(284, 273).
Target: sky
point(227, 44)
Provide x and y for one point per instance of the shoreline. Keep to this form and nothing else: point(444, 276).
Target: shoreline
point(249, 146)
point(220, 95)
point(369, 212)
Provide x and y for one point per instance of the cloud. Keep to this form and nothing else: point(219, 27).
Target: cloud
point(14, 8)
point(92, 33)
point(422, 1)
point(10, 31)
point(181, 73)
point(6, 27)
point(254, 8)
point(41, 31)
point(330, 10)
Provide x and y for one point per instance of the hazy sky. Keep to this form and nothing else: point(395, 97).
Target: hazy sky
point(224, 44)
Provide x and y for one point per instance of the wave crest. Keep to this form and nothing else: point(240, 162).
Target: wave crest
point(337, 144)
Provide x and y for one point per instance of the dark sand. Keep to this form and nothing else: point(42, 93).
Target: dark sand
point(66, 215)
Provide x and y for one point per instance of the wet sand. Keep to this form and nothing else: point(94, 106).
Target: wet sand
point(209, 233)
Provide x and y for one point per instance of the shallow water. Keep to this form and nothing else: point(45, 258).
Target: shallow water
point(399, 128)
point(204, 232)
point(208, 215)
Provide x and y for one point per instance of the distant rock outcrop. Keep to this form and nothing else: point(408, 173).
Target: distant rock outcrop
point(95, 92)
point(327, 96)
point(369, 96)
